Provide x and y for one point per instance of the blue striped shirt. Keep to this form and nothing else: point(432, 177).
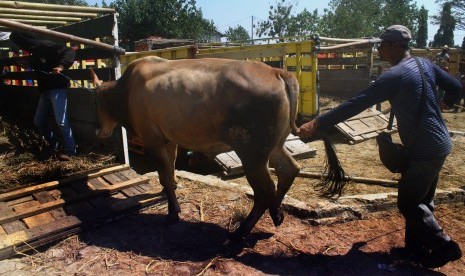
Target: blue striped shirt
point(401, 85)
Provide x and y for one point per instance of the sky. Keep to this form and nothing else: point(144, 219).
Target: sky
point(231, 13)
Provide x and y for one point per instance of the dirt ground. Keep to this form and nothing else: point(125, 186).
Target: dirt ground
point(143, 244)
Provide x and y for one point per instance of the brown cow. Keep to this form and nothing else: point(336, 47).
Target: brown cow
point(210, 106)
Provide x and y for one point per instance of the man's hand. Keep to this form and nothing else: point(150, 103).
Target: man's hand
point(308, 129)
point(57, 70)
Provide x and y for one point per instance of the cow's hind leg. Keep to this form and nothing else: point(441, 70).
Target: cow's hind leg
point(163, 157)
point(286, 169)
point(263, 187)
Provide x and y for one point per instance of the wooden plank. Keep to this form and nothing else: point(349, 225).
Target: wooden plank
point(61, 202)
point(53, 184)
point(113, 178)
point(80, 209)
point(299, 149)
point(364, 126)
point(359, 127)
point(25, 205)
point(13, 225)
point(2, 231)
point(19, 200)
point(44, 197)
point(365, 114)
point(37, 220)
point(27, 236)
point(124, 176)
point(98, 183)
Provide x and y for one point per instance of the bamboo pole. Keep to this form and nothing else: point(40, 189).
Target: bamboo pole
point(40, 6)
point(381, 182)
point(355, 43)
point(41, 22)
point(47, 13)
point(39, 17)
point(67, 37)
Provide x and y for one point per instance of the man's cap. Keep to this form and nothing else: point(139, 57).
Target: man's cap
point(445, 47)
point(396, 33)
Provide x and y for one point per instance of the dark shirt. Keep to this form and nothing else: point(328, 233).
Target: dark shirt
point(401, 85)
point(46, 55)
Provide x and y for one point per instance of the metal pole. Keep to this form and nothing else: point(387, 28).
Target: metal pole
point(67, 37)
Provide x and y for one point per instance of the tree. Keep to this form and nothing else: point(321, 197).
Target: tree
point(352, 18)
point(281, 22)
point(139, 19)
point(458, 12)
point(402, 12)
point(445, 33)
point(304, 23)
point(278, 20)
point(366, 18)
point(238, 33)
point(422, 33)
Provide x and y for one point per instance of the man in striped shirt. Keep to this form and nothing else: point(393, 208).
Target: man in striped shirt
point(426, 137)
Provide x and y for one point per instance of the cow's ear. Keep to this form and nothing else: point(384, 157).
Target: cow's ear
point(95, 80)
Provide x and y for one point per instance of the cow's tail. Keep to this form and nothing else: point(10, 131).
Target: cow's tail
point(334, 178)
point(292, 92)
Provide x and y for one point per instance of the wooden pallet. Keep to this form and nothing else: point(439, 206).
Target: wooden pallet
point(41, 214)
point(364, 126)
point(232, 165)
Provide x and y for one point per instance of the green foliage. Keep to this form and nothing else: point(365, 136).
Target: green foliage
point(139, 19)
point(279, 18)
point(343, 19)
point(238, 33)
point(422, 32)
point(445, 33)
point(458, 12)
point(353, 18)
point(402, 12)
point(282, 23)
point(304, 23)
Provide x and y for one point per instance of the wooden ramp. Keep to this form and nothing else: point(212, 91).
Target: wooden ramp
point(48, 212)
point(364, 126)
point(232, 165)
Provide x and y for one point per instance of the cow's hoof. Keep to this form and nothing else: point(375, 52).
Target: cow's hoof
point(232, 246)
point(277, 215)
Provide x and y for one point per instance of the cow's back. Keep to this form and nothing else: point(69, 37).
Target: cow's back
point(205, 104)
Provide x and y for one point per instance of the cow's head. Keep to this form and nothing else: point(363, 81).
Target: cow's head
point(107, 122)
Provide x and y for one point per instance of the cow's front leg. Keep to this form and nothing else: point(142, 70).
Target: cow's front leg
point(166, 176)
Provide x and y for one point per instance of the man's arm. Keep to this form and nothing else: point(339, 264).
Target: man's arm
point(381, 90)
point(450, 85)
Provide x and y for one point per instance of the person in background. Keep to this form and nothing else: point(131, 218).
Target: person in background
point(48, 60)
point(428, 140)
point(442, 58)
